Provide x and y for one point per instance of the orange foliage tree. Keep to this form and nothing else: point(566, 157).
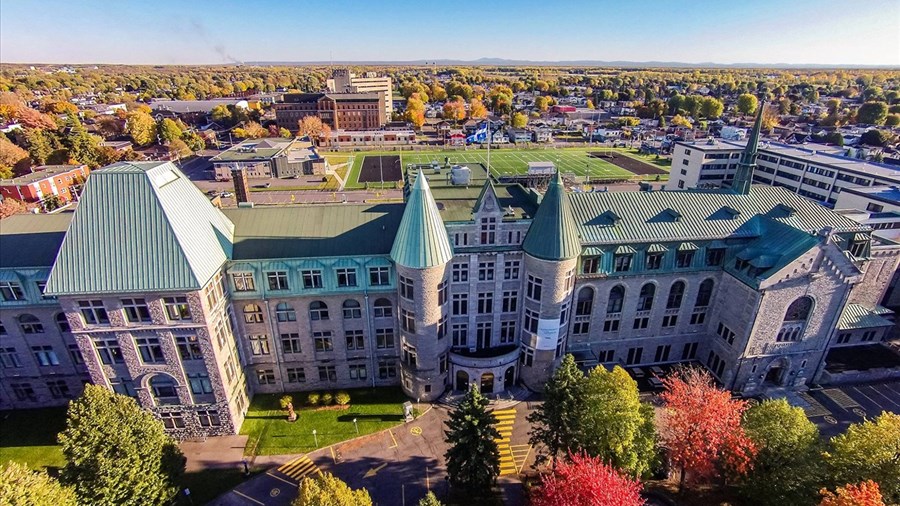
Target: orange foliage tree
point(702, 428)
point(864, 494)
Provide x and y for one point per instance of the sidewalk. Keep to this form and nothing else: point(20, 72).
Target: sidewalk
point(220, 452)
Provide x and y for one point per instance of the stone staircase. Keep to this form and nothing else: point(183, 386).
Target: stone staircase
point(503, 400)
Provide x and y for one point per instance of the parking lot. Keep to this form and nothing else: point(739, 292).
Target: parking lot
point(834, 408)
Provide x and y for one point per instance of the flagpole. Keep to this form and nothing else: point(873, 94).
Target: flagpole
point(490, 138)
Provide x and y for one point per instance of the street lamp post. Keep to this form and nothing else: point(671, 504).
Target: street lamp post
point(356, 426)
point(316, 438)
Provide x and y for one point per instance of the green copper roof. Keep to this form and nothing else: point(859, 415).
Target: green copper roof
point(701, 219)
point(856, 316)
point(421, 240)
point(141, 227)
point(744, 174)
point(553, 234)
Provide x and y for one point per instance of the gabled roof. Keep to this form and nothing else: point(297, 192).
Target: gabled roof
point(141, 227)
point(421, 240)
point(487, 192)
point(856, 316)
point(775, 246)
point(553, 234)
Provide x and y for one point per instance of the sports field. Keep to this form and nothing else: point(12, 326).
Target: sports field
point(575, 161)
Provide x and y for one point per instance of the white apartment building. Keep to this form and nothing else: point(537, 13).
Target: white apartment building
point(819, 173)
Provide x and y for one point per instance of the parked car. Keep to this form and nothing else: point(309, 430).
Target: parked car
point(226, 195)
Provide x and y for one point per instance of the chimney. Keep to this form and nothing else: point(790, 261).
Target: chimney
point(241, 185)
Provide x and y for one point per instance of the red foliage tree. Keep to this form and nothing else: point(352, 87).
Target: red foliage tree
point(586, 481)
point(864, 494)
point(703, 428)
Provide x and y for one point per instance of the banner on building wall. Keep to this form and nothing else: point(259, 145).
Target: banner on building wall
point(547, 334)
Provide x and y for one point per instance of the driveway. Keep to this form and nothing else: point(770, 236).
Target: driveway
point(397, 466)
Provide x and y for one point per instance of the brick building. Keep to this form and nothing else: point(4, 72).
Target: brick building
point(340, 111)
point(61, 181)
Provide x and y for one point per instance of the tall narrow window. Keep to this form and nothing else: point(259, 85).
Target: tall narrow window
point(676, 294)
point(616, 299)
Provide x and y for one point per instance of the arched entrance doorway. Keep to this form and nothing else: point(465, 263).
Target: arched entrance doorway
point(775, 374)
point(462, 380)
point(487, 383)
point(509, 377)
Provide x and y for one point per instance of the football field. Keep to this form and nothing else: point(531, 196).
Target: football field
point(512, 161)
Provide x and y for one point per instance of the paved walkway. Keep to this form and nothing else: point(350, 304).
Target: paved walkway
point(214, 453)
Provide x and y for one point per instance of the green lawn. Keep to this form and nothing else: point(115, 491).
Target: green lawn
point(511, 161)
point(271, 434)
point(28, 436)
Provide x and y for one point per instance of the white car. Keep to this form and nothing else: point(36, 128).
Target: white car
point(226, 195)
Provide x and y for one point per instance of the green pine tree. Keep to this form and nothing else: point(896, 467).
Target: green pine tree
point(473, 460)
point(430, 500)
point(117, 453)
point(557, 422)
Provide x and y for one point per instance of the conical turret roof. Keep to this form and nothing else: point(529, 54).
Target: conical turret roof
point(421, 240)
point(553, 234)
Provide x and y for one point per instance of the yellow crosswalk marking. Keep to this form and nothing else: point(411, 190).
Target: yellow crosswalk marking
point(299, 468)
point(506, 418)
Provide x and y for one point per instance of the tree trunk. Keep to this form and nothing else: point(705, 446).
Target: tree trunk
point(681, 481)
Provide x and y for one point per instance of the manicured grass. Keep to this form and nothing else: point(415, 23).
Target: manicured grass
point(634, 153)
point(28, 436)
point(514, 161)
point(271, 434)
point(208, 484)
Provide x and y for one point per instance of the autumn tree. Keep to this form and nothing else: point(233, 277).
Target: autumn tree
point(703, 428)
point(415, 112)
point(769, 118)
point(869, 450)
point(314, 128)
point(455, 110)
point(168, 130)
point(786, 469)
point(116, 453)
point(586, 481)
point(711, 107)
point(82, 145)
point(473, 460)
point(679, 120)
point(327, 490)
point(13, 159)
point(477, 110)
point(20, 486)
point(10, 206)
point(518, 120)
point(866, 493)
point(42, 145)
point(222, 115)
point(616, 426)
point(872, 113)
point(556, 423)
point(141, 127)
point(251, 130)
point(541, 103)
point(747, 103)
point(429, 500)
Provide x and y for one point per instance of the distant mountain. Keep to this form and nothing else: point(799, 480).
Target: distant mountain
point(570, 63)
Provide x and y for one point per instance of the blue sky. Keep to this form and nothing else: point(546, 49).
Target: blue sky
point(172, 32)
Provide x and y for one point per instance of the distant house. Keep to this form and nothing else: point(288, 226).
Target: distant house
point(543, 134)
point(518, 135)
point(362, 138)
point(119, 146)
point(179, 107)
point(46, 181)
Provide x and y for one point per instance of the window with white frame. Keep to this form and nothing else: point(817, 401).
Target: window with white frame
point(136, 310)
point(296, 375)
point(485, 271)
point(177, 308)
point(277, 280)
point(384, 338)
point(379, 276)
point(346, 277)
point(407, 320)
point(311, 278)
point(11, 291)
point(259, 344)
point(351, 309)
point(318, 310)
point(511, 269)
point(188, 348)
point(93, 312)
point(355, 340)
point(290, 343)
point(383, 309)
point(200, 384)
point(534, 288)
point(243, 281)
point(253, 313)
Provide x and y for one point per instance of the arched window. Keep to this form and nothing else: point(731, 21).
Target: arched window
point(30, 324)
point(585, 301)
point(616, 297)
point(676, 294)
point(62, 322)
point(318, 310)
point(162, 386)
point(645, 299)
point(704, 294)
point(351, 309)
point(285, 312)
point(383, 308)
point(795, 320)
point(253, 313)
point(799, 310)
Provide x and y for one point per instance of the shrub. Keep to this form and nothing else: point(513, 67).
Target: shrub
point(342, 398)
point(284, 401)
point(313, 398)
point(327, 398)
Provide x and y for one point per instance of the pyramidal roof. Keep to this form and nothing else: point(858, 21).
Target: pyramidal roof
point(553, 234)
point(141, 227)
point(488, 196)
point(421, 240)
